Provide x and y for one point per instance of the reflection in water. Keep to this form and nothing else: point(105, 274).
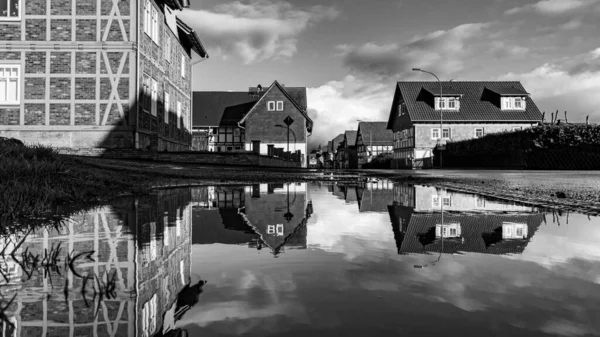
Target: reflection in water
point(481, 265)
point(372, 258)
point(272, 216)
point(119, 270)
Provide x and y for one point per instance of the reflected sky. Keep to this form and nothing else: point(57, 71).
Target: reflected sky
point(504, 269)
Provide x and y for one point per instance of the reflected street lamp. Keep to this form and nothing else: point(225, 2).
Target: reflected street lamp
point(441, 110)
point(441, 235)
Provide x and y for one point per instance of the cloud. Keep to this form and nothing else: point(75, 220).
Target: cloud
point(441, 51)
point(255, 31)
point(336, 105)
point(570, 84)
point(553, 7)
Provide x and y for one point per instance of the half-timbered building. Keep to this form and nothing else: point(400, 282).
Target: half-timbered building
point(83, 74)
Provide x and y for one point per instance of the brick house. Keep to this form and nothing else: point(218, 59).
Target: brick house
point(252, 121)
point(373, 139)
point(469, 110)
point(86, 74)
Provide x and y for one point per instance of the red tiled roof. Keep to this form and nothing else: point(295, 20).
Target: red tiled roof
point(476, 104)
point(378, 131)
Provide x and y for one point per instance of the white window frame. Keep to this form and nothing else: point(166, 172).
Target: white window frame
point(167, 48)
point(271, 106)
point(154, 90)
point(448, 203)
point(279, 105)
point(449, 133)
point(434, 131)
point(181, 272)
point(178, 114)
point(183, 65)
point(167, 106)
point(148, 18)
point(444, 103)
point(279, 229)
point(517, 128)
point(9, 79)
point(12, 18)
point(479, 129)
point(509, 103)
point(155, 25)
point(520, 101)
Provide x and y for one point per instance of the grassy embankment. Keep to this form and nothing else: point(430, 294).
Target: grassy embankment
point(36, 183)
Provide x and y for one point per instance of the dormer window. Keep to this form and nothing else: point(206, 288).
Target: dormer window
point(513, 103)
point(447, 103)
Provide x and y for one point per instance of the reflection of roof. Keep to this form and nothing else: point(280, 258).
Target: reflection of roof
point(377, 131)
point(224, 226)
point(476, 104)
point(420, 233)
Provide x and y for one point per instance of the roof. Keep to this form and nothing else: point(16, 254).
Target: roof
point(351, 137)
point(175, 4)
point(192, 38)
point(294, 93)
point(375, 133)
point(335, 142)
point(476, 105)
point(509, 91)
point(446, 90)
point(220, 108)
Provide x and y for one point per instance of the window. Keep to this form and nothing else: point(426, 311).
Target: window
point(10, 84)
point(446, 201)
point(183, 66)
point(178, 225)
point(435, 133)
point(167, 106)
point(435, 201)
point(478, 132)
point(9, 10)
point(517, 128)
point(449, 103)
point(271, 106)
point(480, 202)
point(167, 48)
point(152, 250)
point(513, 103)
point(155, 25)
point(518, 103)
point(151, 21)
point(178, 114)
point(270, 229)
point(166, 236)
point(280, 230)
point(446, 133)
point(147, 93)
point(279, 105)
point(182, 272)
point(154, 97)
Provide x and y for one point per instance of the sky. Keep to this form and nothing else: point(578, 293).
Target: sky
point(349, 53)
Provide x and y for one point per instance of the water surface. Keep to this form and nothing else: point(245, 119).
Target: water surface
point(305, 259)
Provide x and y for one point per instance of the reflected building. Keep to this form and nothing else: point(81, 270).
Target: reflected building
point(129, 263)
point(425, 219)
point(261, 216)
point(374, 196)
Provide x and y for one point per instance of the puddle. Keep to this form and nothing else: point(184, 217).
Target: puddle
point(314, 259)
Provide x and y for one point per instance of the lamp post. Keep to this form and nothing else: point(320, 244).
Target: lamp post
point(370, 135)
point(441, 235)
point(441, 110)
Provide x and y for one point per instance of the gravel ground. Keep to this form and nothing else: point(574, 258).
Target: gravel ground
point(566, 190)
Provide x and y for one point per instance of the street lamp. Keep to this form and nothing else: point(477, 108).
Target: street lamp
point(441, 235)
point(370, 135)
point(441, 109)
